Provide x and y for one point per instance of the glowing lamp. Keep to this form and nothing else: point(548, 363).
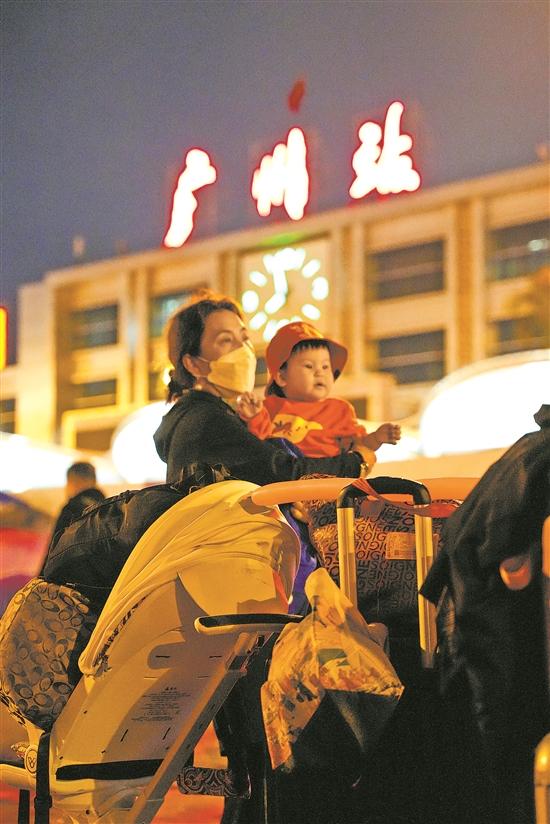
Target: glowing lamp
point(487, 405)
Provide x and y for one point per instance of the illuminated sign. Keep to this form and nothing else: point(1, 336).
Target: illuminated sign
point(198, 172)
point(3, 336)
point(384, 168)
point(282, 178)
point(381, 163)
point(282, 286)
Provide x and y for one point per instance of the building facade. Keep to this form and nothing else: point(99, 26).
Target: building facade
point(416, 287)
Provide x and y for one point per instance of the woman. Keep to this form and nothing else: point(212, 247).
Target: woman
point(214, 363)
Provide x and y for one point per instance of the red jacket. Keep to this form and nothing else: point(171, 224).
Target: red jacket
point(318, 428)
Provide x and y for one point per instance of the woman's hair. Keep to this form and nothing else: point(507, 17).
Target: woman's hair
point(274, 388)
point(184, 334)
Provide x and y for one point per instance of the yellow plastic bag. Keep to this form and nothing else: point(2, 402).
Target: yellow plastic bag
point(331, 687)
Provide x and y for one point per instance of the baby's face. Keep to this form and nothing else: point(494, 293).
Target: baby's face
point(308, 375)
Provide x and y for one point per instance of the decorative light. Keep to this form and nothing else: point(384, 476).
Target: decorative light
point(198, 172)
point(385, 167)
point(282, 178)
point(320, 288)
point(250, 300)
point(311, 268)
point(278, 268)
point(311, 312)
point(258, 320)
point(257, 278)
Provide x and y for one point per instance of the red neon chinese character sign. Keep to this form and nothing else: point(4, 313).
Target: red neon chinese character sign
point(198, 172)
point(385, 168)
point(282, 178)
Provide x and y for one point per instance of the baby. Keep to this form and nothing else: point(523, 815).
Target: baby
point(303, 365)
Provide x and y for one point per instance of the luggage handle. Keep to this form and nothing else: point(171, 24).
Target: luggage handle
point(422, 511)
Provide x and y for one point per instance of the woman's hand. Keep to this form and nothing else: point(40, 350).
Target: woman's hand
point(248, 405)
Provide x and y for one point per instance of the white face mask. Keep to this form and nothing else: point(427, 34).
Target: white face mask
point(235, 371)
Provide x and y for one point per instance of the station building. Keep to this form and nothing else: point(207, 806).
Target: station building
point(416, 286)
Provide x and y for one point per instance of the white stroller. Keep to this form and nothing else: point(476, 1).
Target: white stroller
point(205, 585)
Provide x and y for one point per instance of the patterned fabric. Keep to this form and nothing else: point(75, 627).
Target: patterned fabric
point(43, 631)
point(385, 552)
point(210, 781)
point(329, 654)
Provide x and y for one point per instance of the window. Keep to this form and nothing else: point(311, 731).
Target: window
point(412, 270)
point(413, 358)
point(95, 393)
point(161, 308)
point(94, 327)
point(7, 415)
point(518, 335)
point(518, 250)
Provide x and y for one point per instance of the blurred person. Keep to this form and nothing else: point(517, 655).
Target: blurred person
point(81, 492)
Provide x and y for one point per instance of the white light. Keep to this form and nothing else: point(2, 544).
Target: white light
point(250, 301)
point(132, 447)
point(257, 321)
point(26, 464)
point(311, 268)
point(538, 244)
point(320, 288)
point(310, 311)
point(275, 302)
point(270, 329)
point(487, 405)
point(257, 278)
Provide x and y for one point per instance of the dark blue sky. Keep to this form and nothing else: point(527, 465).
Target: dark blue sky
point(101, 99)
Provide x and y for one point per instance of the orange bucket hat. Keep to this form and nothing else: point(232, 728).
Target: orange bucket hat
point(281, 345)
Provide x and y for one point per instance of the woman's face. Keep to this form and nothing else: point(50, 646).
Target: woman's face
point(223, 332)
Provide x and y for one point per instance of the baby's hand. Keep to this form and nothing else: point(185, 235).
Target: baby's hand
point(248, 405)
point(388, 433)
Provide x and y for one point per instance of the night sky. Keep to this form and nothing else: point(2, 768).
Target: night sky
point(102, 100)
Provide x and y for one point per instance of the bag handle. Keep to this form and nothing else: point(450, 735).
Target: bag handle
point(422, 505)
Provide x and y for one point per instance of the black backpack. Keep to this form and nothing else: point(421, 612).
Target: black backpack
point(90, 553)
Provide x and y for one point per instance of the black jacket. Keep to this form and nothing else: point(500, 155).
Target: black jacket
point(75, 506)
point(496, 644)
point(203, 428)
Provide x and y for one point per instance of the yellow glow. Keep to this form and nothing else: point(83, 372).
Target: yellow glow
point(250, 301)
